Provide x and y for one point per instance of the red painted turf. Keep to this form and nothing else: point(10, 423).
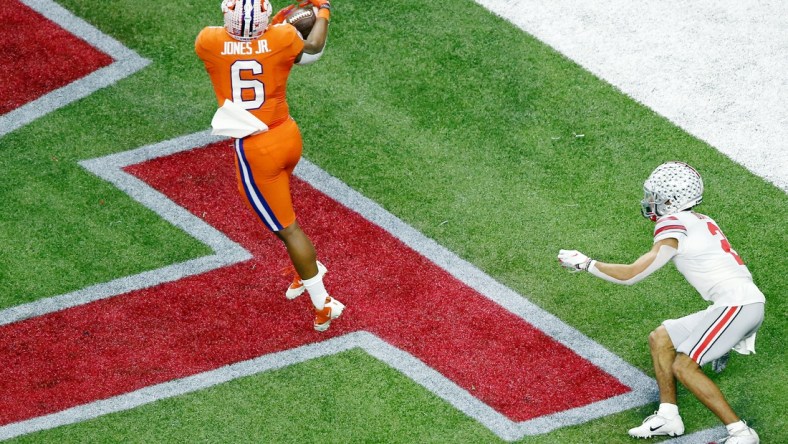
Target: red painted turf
point(37, 56)
point(113, 346)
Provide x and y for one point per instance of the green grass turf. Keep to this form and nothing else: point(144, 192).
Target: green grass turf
point(62, 229)
point(469, 131)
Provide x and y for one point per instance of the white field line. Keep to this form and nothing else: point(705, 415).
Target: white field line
point(110, 168)
point(126, 62)
point(716, 68)
point(396, 358)
point(227, 252)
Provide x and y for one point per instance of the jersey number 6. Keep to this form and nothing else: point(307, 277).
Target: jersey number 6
point(240, 85)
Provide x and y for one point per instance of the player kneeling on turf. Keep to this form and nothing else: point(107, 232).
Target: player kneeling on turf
point(679, 347)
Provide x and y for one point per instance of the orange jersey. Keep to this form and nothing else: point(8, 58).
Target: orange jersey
point(254, 73)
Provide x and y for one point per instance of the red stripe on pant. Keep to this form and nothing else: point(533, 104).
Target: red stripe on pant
point(716, 330)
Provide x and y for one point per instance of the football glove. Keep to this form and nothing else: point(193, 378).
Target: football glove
point(281, 16)
point(574, 260)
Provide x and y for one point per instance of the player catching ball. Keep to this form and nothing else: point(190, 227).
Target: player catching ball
point(249, 61)
point(679, 347)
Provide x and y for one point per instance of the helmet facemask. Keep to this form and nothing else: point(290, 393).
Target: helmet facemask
point(671, 187)
point(653, 206)
point(246, 20)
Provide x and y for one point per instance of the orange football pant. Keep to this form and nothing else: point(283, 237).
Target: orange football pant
point(264, 163)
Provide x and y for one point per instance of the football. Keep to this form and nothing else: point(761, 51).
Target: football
point(303, 19)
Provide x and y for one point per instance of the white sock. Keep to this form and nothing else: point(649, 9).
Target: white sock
point(317, 291)
point(668, 410)
point(735, 427)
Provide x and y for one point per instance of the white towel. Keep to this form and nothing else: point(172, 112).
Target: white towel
point(234, 121)
point(746, 345)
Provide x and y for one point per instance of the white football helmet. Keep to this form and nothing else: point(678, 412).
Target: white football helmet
point(246, 19)
point(671, 187)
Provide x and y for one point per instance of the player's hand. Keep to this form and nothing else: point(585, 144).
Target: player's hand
point(282, 14)
point(574, 260)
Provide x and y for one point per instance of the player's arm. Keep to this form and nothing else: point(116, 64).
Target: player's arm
point(659, 255)
point(626, 274)
point(316, 40)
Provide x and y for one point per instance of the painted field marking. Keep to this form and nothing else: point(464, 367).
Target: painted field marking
point(227, 252)
point(371, 344)
point(126, 62)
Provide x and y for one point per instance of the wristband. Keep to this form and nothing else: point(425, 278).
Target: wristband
point(324, 12)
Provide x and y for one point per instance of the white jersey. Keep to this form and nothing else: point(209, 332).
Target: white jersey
point(707, 261)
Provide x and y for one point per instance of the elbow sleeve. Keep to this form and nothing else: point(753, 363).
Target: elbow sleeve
point(308, 59)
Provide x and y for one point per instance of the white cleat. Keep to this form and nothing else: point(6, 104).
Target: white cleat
point(297, 287)
point(743, 436)
point(657, 425)
point(332, 310)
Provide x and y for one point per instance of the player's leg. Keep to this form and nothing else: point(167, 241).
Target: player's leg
point(666, 420)
point(285, 152)
point(265, 165)
point(302, 254)
point(305, 265)
point(663, 353)
point(662, 343)
point(716, 334)
point(692, 376)
point(300, 249)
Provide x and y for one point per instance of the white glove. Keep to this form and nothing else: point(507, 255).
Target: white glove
point(574, 260)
